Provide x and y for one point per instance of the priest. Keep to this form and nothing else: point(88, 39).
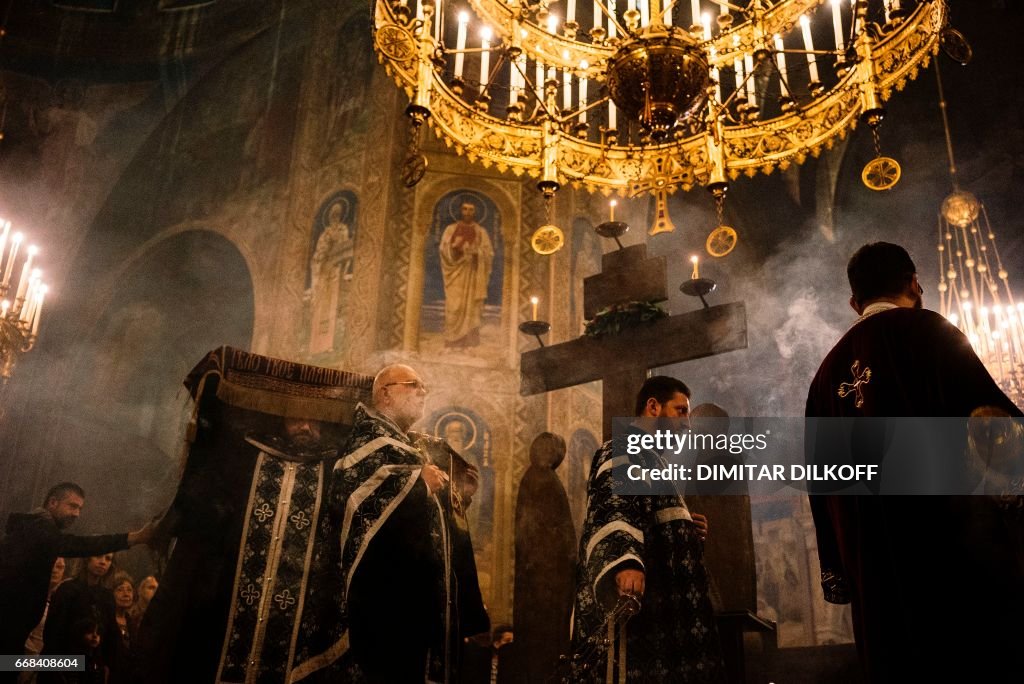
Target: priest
point(388, 540)
point(936, 587)
point(650, 547)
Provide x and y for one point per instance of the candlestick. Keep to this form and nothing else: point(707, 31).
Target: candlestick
point(534, 301)
point(705, 21)
point(485, 56)
point(4, 306)
point(612, 28)
point(612, 115)
point(837, 24)
point(570, 12)
point(611, 211)
point(583, 92)
point(781, 58)
point(812, 63)
point(737, 66)
point(645, 13)
point(552, 24)
point(566, 90)
point(695, 12)
point(38, 310)
point(3, 241)
point(25, 271)
point(598, 22)
point(696, 272)
point(31, 298)
point(18, 237)
point(460, 43)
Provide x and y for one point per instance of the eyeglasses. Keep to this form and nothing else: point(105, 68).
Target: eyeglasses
point(415, 384)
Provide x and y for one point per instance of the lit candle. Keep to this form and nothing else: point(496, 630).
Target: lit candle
point(485, 57)
point(4, 307)
point(645, 13)
point(18, 237)
point(566, 90)
point(38, 310)
point(25, 271)
point(611, 210)
point(597, 15)
point(696, 271)
point(570, 12)
point(723, 6)
point(751, 81)
point(666, 14)
point(780, 56)
point(888, 8)
point(631, 4)
point(539, 80)
point(534, 301)
point(812, 63)
point(837, 24)
point(737, 66)
point(3, 240)
point(705, 21)
point(612, 115)
point(552, 24)
point(460, 43)
point(612, 29)
point(695, 12)
point(583, 91)
point(32, 299)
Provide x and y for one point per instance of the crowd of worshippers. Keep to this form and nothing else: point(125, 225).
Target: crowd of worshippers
point(88, 605)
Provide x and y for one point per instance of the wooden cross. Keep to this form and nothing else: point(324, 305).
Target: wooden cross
point(622, 361)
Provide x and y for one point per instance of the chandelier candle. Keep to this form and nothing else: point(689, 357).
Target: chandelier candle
point(812, 63)
point(485, 57)
point(612, 28)
point(695, 12)
point(837, 24)
point(781, 57)
point(15, 243)
point(570, 12)
point(460, 44)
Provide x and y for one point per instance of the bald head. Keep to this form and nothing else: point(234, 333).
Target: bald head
point(399, 394)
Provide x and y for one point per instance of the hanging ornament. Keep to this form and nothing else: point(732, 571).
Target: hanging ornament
point(723, 238)
point(881, 173)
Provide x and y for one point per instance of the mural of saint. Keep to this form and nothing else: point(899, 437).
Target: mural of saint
point(462, 291)
point(469, 435)
point(329, 266)
point(466, 260)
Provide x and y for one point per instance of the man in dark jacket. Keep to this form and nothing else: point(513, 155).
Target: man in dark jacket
point(31, 544)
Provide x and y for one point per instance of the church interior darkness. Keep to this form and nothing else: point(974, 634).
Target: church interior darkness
point(200, 173)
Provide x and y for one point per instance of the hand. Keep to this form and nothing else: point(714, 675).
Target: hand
point(144, 535)
point(434, 478)
point(700, 521)
point(630, 582)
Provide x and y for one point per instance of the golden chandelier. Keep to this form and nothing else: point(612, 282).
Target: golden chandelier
point(648, 96)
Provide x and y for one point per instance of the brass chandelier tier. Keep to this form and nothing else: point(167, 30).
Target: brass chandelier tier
point(642, 97)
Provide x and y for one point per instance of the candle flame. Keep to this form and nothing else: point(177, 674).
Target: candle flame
point(535, 300)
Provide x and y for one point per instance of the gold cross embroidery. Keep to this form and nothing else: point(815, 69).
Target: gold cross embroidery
point(859, 379)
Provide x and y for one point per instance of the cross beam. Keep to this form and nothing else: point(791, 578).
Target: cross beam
point(621, 361)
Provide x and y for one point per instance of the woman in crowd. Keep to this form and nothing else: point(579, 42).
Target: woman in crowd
point(121, 651)
point(86, 597)
point(143, 595)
